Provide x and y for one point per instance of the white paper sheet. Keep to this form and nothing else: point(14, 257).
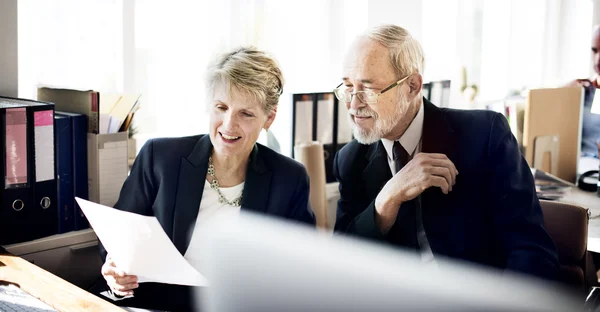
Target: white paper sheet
point(139, 246)
point(104, 123)
point(596, 103)
point(114, 124)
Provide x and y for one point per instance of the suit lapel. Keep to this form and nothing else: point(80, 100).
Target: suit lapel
point(192, 175)
point(258, 183)
point(377, 171)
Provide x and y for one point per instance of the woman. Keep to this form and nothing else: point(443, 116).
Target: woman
point(184, 181)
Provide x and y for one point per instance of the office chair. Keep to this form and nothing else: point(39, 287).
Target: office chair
point(568, 226)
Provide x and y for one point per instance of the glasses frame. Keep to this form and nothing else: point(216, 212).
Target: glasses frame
point(371, 93)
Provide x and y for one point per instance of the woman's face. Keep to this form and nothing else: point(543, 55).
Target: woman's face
point(236, 120)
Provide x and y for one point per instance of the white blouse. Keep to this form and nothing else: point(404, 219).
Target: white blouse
point(209, 209)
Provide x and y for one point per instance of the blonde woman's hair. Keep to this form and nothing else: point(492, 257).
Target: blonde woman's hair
point(406, 54)
point(250, 71)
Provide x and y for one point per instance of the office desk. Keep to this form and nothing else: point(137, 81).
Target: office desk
point(49, 288)
point(584, 199)
point(590, 201)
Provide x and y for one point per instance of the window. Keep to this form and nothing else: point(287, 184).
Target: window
point(161, 49)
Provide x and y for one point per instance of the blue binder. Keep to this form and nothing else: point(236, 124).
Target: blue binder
point(64, 172)
point(79, 128)
point(28, 178)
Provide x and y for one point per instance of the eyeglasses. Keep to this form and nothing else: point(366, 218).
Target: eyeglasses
point(367, 97)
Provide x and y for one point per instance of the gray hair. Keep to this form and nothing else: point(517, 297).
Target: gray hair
point(406, 54)
point(251, 71)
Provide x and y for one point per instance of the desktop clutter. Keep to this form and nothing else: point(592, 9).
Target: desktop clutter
point(547, 125)
point(66, 144)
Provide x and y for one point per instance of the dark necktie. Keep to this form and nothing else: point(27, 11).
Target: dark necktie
point(404, 231)
point(400, 155)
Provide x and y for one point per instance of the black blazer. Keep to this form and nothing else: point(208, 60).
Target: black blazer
point(167, 181)
point(492, 216)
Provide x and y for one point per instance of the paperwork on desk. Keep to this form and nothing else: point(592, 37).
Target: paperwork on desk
point(139, 246)
point(550, 187)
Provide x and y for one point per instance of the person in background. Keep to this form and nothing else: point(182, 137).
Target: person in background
point(590, 129)
point(184, 182)
point(436, 181)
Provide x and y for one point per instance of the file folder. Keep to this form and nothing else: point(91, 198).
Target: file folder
point(16, 194)
point(325, 127)
point(28, 190)
point(64, 173)
point(80, 164)
point(45, 209)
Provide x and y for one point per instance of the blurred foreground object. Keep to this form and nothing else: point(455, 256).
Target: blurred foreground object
point(261, 264)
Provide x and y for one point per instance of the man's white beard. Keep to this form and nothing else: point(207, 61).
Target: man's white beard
point(364, 136)
point(381, 128)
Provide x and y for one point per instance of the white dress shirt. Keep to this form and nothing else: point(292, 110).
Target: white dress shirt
point(411, 140)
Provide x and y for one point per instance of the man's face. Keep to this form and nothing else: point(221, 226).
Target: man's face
point(367, 67)
point(596, 51)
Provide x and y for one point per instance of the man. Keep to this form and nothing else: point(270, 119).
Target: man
point(441, 181)
point(590, 130)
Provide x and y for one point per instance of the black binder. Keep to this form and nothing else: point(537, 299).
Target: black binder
point(64, 173)
point(16, 193)
point(28, 171)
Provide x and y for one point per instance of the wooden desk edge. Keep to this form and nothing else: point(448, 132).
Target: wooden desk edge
point(51, 289)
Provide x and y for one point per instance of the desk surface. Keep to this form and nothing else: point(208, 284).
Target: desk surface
point(54, 291)
point(590, 201)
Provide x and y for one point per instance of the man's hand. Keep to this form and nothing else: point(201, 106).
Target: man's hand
point(120, 283)
point(419, 174)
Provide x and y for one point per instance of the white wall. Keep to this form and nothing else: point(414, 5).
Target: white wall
point(8, 48)
point(596, 16)
point(405, 13)
point(574, 59)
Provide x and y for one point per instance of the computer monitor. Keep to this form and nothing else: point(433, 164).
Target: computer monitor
point(256, 263)
point(552, 130)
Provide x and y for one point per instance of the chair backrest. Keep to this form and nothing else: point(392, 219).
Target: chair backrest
point(568, 226)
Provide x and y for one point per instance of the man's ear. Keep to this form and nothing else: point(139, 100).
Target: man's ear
point(415, 83)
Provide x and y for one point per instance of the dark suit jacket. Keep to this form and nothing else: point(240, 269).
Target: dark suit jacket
point(491, 217)
point(167, 181)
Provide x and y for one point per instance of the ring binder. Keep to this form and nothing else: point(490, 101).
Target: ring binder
point(28, 179)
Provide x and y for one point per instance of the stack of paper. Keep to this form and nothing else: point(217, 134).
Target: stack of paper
point(550, 187)
point(116, 111)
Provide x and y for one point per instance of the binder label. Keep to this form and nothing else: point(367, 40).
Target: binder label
point(44, 145)
point(16, 146)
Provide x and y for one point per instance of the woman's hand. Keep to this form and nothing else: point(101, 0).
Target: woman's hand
point(120, 283)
